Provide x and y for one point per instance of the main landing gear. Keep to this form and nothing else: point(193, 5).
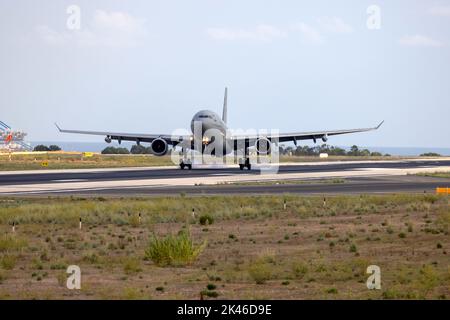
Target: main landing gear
point(185, 163)
point(245, 163)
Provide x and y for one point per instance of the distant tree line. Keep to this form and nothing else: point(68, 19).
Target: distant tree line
point(114, 150)
point(330, 150)
point(42, 147)
point(430, 154)
point(139, 149)
point(135, 149)
point(298, 151)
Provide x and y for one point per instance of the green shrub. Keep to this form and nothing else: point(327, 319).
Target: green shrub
point(300, 270)
point(132, 265)
point(175, 250)
point(211, 286)
point(11, 244)
point(260, 272)
point(8, 262)
point(206, 219)
point(332, 290)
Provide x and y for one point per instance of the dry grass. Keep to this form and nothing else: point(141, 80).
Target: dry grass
point(434, 174)
point(255, 248)
point(76, 160)
point(57, 160)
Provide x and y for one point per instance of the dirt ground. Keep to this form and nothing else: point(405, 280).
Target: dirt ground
point(255, 248)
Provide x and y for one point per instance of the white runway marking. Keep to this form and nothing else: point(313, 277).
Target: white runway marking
point(227, 174)
point(70, 180)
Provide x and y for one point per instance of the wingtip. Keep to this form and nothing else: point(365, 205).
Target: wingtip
point(59, 129)
point(379, 124)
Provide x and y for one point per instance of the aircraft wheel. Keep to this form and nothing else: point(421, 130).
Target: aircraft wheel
point(241, 167)
point(249, 166)
point(182, 166)
point(189, 166)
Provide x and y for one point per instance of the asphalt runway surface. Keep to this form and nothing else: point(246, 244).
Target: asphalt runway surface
point(119, 174)
point(104, 180)
point(318, 187)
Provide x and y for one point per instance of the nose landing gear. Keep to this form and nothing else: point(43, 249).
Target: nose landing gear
point(245, 163)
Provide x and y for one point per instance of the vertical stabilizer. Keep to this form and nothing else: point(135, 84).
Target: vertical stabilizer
point(224, 113)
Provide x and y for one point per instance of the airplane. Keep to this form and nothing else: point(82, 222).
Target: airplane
point(211, 121)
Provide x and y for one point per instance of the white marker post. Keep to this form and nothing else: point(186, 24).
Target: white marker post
point(193, 213)
point(324, 202)
point(80, 223)
point(284, 204)
point(14, 227)
point(139, 218)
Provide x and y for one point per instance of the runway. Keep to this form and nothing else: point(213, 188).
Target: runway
point(305, 178)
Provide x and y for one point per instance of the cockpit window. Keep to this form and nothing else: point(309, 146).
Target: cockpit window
point(204, 116)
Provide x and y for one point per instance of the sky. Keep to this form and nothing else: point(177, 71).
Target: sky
point(148, 66)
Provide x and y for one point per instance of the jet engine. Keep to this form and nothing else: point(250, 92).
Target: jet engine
point(262, 146)
point(108, 139)
point(159, 147)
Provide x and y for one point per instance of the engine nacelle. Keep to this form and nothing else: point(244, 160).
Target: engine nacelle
point(325, 138)
point(263, 146)
point(108, 139)
point(159, 147)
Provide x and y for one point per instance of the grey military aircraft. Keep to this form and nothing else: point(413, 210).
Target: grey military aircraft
point(209, 121)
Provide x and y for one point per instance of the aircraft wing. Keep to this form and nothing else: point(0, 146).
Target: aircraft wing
point(314, 135)
point(137, 137)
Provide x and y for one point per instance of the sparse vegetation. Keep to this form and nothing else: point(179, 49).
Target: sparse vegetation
point(272, 253)
point(9, 243)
